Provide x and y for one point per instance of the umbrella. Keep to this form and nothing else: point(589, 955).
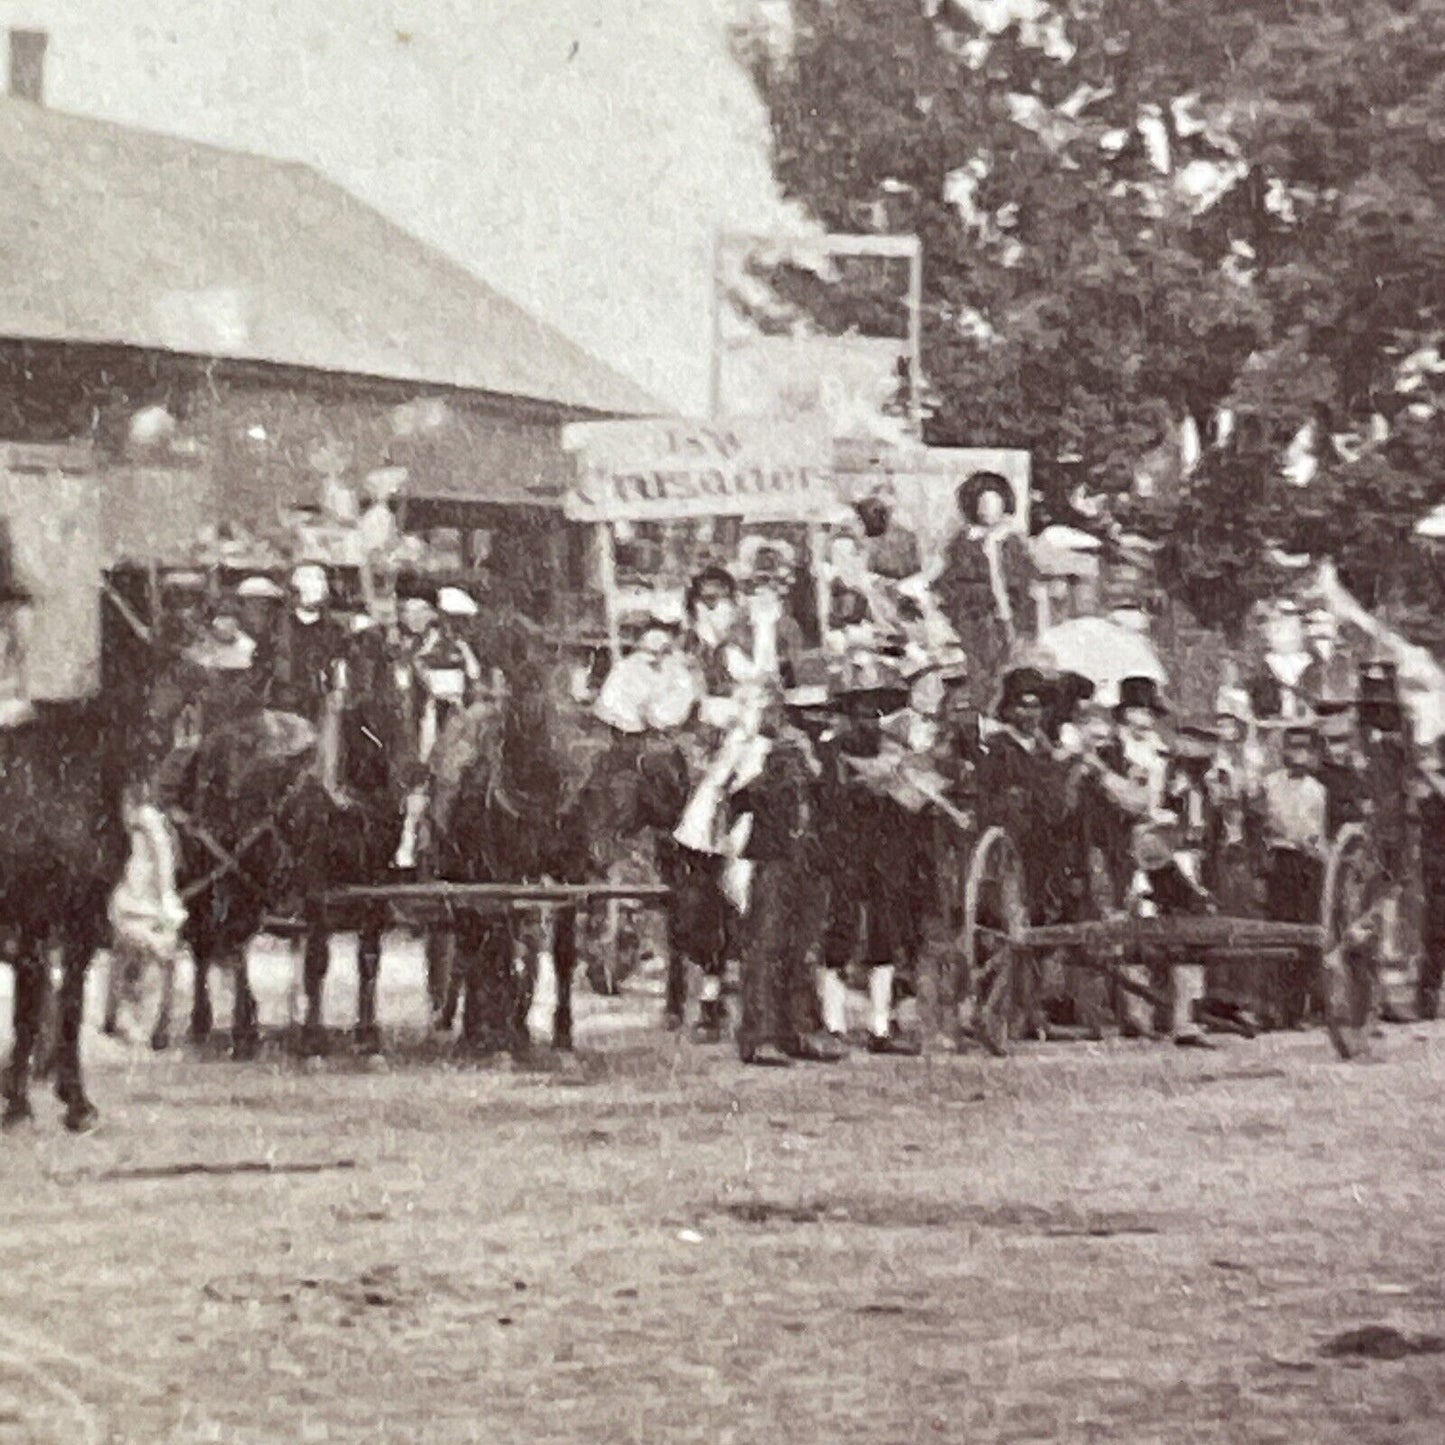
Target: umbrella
point(1103, 652)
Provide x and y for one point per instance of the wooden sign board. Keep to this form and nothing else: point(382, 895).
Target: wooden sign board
point(672, 470)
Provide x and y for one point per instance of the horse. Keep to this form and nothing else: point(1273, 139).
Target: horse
point(518, 812)
point(263, 831)
point(63, 847)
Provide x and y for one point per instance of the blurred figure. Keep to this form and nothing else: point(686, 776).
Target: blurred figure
point(1432, 869)
point(146, 913)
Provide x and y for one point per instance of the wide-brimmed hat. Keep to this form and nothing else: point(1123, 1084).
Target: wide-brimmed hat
point(1378, 684)
point(870, 702)
point(1018, 684)
point(414, 587)
point(1336, 720)
point(1195, 742)
point(972, 489)
point(456, 602)
point(807, 697)
point(1301, 732)
point(260, 588)
point(1139, 692)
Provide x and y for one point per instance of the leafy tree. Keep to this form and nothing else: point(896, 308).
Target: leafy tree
point(1139, 210)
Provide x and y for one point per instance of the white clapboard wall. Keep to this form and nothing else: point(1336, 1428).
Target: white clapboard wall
point(50, 504)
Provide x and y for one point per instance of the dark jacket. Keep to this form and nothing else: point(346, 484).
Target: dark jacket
point(782, 801)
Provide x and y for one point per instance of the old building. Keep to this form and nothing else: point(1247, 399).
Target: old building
point(210, 334)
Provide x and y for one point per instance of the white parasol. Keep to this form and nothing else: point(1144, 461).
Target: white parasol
point(1102, 651)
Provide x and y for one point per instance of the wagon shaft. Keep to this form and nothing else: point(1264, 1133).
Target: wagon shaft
point(1174, 934)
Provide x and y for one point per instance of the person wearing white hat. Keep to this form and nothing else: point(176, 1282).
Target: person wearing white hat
point(258, 604)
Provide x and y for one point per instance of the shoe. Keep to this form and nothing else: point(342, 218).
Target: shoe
point(819, 1048)
point(767, 1056)
point(672, 1022)
point(894, 1044)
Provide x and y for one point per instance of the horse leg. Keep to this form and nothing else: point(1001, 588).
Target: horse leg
point(245, 1017)
point(368, 970)
point(79, 948)
point(488, 1013)
point(564, 963)
point(315, 962)
point(115, 983)
point(28, 1006)
point(161, 1032)
point(440, 979)
point(468, 942)
point(202, 1019)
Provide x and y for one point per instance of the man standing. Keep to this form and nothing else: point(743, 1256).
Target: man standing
point(776, 790)
point(1294, 807)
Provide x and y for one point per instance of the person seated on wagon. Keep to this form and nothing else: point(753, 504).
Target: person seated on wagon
point(767, 567)
point(311, 642)
point(259, 604)
point(714, 643)
point(1293, 809)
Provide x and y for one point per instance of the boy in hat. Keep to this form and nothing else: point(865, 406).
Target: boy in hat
point(1294, 811)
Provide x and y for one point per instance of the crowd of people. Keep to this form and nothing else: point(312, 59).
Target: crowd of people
point(832, 792)
point(827, 805)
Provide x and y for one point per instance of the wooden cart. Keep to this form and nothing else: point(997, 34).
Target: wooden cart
point(999, 952)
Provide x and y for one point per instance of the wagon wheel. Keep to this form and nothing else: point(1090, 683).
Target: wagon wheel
point(995, 920)
point(1349, 986)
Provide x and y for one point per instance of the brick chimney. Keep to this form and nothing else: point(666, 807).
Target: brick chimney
point(27, 65)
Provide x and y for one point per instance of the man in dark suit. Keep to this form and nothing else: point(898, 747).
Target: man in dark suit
point(780, 797)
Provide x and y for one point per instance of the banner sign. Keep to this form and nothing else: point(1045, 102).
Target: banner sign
point(674, 469)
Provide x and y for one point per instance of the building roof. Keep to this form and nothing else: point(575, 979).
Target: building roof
point(121, 236)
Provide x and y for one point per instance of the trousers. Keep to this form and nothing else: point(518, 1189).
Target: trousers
point(780, 934)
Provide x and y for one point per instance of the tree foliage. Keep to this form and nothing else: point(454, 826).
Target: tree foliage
point(1135, 211)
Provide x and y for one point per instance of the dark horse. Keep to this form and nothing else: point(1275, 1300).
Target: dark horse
point(519, 813)
point(292, 839)
point(62, 851)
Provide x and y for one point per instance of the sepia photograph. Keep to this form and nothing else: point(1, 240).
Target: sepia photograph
point(722, 721)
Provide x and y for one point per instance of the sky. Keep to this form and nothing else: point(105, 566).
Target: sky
point(579, 155)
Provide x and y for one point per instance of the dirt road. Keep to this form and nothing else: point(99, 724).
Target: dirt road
point(1081, 1243)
